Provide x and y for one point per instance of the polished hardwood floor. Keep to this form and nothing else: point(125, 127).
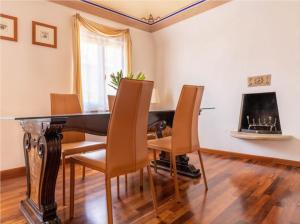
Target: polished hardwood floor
point(240, 192)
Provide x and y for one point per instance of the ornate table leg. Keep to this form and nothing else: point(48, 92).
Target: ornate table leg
point(42, 150)
point(182, 161)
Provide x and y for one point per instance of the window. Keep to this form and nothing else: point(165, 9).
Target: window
point(100, 56)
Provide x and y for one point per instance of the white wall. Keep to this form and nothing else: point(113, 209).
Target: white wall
point(30, 72)
point(220, 49)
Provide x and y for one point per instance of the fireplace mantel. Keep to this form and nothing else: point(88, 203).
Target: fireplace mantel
point(254, 136)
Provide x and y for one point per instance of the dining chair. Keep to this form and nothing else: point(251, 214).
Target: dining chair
point(151, 135)
point(125, 153)
point(72, 142)
point(111, 102)
point(184, 138)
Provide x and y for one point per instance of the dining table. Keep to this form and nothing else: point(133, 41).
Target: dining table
point(42, 152)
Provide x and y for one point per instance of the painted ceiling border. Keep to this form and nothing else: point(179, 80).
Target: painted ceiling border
point(140, 20)
point(119, 17)
point(179, 11)
point(113, 11)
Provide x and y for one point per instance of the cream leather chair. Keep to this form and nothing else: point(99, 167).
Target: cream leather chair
point(184, 137)
point(72, 142)
point(126, 153)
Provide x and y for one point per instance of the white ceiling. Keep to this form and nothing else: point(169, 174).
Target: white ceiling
point(143, 8)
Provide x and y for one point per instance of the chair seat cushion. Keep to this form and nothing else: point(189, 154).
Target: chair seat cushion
point(163, 144)
point(94, 160)
point(80, 147)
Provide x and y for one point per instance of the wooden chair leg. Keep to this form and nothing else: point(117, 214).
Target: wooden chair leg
point(126, 183)
point(203, 171)
point(152, 190)
point(141, 179)
point(118, 186)
point(171, 164)
point(64, 179)
point(154, 157)
point(72, 188)
point(83, 172)
point(175, 179)
point(108, 200)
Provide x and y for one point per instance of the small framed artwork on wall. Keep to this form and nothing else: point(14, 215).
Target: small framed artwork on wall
point(44, 34)
point(8, 27)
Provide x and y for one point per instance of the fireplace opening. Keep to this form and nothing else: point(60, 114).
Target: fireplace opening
point(259, 114)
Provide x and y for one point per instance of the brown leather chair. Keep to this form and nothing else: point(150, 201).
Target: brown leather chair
point(184, 137)
point(125, 153)
point(72, 142)
point(111, 102)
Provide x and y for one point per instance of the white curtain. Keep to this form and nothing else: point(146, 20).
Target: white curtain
point(100, 56)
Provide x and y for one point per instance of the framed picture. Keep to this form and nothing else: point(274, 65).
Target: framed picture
point(8, 27)
point(44, 35)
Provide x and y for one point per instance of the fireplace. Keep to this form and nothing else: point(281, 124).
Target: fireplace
point(259, 114)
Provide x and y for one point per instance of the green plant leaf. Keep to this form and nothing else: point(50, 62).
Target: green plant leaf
point(116, 78)
point(113, 78)
point(130, 76)
point(116, 88)
point(140, 76)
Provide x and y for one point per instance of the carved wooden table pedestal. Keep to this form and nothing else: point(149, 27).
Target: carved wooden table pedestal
point(42, 151)
point(182, 161)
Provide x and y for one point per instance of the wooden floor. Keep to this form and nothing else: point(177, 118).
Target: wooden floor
point(240, 192)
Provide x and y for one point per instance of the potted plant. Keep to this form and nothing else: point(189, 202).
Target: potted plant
point(115, 82)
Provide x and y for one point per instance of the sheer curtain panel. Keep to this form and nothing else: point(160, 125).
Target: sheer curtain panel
point(98, 51)
point(100, 56)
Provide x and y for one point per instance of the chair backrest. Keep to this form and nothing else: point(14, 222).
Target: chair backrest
point(67, 104)
point(185, 124)
point(111, 101)
point(127, 133)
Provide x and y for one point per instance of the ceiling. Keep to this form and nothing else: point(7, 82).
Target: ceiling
point(141, 9)
point(136, 13)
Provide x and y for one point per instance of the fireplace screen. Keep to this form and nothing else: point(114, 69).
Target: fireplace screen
point(259, 114)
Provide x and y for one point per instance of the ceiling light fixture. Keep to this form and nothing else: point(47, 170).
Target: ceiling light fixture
point(150, 19)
